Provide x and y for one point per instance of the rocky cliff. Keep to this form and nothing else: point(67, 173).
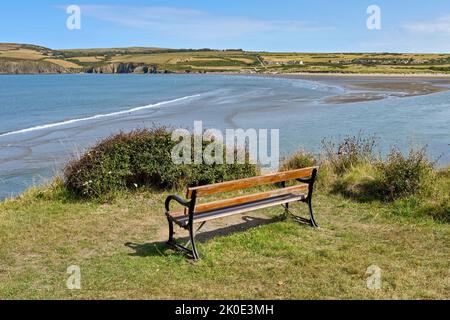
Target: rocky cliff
point(29, 67)
point(37, 67)
point(122, 68)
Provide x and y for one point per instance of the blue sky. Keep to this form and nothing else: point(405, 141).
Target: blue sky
point(283, 25)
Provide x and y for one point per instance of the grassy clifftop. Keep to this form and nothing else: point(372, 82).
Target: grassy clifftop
point(119, 246)
point(386, 214)
point(208, 60)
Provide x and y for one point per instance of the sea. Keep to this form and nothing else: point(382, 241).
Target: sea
point(48, 120)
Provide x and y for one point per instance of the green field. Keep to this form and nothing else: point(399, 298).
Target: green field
point(207, 60)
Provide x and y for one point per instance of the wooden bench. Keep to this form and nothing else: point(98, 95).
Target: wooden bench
point(196, 212)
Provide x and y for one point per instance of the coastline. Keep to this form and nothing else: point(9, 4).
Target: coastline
point(374, 75)
point(445, 76)
point(367, 87)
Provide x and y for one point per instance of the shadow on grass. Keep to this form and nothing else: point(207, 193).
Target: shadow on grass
point(147, 249)
point(159, 248)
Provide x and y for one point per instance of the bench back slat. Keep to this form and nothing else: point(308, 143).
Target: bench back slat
point(249, 198)
point(250, 182)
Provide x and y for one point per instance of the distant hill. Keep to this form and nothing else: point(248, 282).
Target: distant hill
point(25, 58)
point(30, 59)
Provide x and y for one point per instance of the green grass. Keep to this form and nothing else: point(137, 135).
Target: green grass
point(119, 247)
point(118, 239)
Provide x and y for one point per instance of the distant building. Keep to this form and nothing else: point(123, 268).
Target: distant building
point(289, 63)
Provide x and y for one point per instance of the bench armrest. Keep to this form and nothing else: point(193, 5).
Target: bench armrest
point(177, 199)
point(310, 181)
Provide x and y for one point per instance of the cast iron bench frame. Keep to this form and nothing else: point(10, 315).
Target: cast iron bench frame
point(201, 213)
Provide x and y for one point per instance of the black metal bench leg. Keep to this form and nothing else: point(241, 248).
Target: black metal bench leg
point(311, 215)
point(170, 231)
point(194, 247)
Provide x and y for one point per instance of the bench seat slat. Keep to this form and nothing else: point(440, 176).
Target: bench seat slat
point(182, 220)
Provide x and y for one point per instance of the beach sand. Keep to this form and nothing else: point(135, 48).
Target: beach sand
point(370, 87)
point(387, 89)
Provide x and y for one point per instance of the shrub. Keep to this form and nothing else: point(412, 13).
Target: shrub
point(142, 158)
point(357, 170)
point(353, 150)
point(299, 160)
point(404, 176)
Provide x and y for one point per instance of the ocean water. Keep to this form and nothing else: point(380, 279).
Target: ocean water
point(46, 120)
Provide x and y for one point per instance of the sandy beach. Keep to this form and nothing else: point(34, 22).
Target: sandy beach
point(380, 90)
point(370, 87)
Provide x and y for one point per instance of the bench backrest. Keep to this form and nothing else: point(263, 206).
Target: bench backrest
point(250, 182)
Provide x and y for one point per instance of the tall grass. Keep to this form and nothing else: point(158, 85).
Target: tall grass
point(354, 167)
point(341, 156)
point(300, 159)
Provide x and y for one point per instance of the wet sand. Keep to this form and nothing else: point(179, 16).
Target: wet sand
point(371, 87)
point(387, 89)
point(355, 97)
